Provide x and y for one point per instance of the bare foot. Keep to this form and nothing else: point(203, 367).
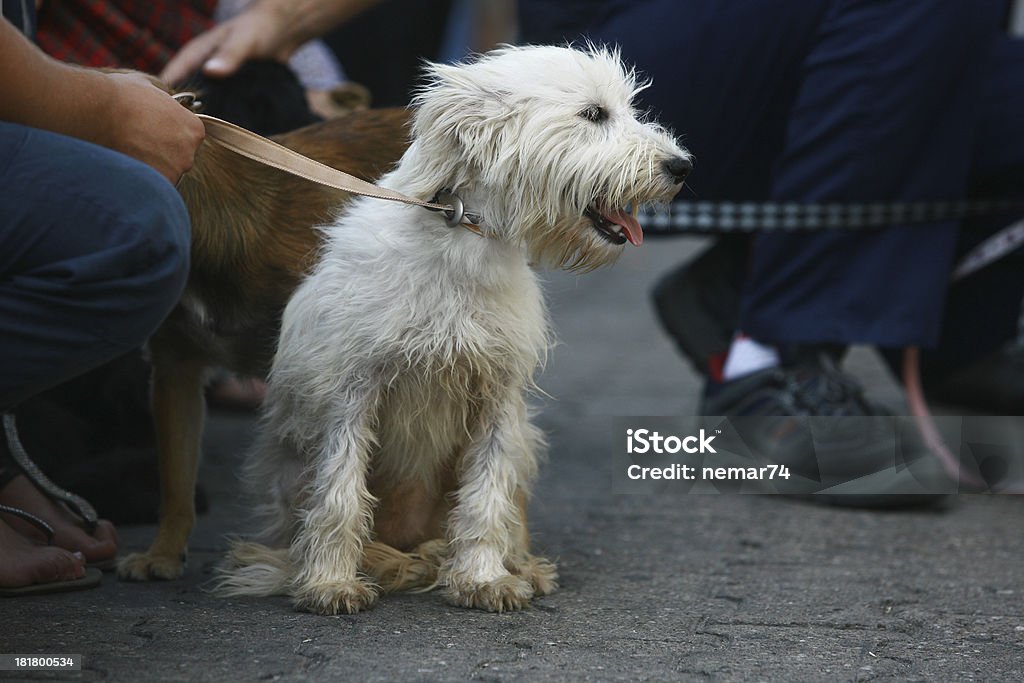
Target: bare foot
point(26, 563)
point(22, 493)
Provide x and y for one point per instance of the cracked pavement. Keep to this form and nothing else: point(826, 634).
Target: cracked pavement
point(660, 588)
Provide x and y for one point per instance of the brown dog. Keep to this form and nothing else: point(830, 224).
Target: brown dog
point(253, 238)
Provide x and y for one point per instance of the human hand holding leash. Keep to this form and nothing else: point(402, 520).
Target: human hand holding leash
point(146, 123)
point(124, 111)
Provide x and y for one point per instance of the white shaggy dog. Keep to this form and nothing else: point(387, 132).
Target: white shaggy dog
point(397, 450)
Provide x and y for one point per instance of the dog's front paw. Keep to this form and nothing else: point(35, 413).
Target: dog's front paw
point(504, 594)
point(336, 597)
point(150, 566)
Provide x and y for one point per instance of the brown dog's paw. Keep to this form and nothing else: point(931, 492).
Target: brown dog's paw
point(150, 567)
point(504, 594)
point(540, 572)
point(336, 597)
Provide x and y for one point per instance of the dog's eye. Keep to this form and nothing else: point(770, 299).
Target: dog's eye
point(594, 113)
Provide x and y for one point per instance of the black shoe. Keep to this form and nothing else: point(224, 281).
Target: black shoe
point(992, 385)
point(837, 447)
point(810, 383)
point(697, 303)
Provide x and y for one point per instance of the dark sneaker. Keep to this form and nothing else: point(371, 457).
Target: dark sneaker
point(837, 447)
point(697, 303)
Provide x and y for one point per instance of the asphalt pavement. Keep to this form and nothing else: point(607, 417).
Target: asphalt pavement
point(664, 587)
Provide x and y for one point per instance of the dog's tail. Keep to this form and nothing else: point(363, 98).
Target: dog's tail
point(254, 570)
point(394, 571)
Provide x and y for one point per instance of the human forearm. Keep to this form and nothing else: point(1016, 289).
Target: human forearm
point(121, 111)
point(304, 20)
point(43, 93)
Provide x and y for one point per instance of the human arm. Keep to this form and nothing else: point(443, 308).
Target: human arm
point(267, 29)
point(125, 112)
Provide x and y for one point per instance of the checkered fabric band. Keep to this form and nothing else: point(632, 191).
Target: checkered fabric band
point(726, 217)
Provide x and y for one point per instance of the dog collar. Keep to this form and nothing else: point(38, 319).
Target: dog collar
point(457, 214)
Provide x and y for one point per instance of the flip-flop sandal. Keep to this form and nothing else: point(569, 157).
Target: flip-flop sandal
point(107, 565)
point(91, 579)
point(76, 504)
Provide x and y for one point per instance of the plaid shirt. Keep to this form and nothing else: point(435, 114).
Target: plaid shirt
point(137, 34)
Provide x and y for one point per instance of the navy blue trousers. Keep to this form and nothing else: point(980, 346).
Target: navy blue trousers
point(93, 255)
point(835, 100)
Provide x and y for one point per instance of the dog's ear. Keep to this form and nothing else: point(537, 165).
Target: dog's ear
point(464, 108)
point(471, 87)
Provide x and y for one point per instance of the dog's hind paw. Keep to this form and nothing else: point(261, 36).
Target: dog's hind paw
point(336, 597)
point(504, 594)
point(150, 566)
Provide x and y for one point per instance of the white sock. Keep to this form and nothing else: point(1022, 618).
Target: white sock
point(747, 356)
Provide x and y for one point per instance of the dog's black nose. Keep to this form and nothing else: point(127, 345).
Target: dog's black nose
point(678, 168)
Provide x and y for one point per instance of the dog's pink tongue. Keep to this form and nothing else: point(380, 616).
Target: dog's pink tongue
point(630, 225)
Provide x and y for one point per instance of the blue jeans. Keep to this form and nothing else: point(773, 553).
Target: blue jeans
point(94, 251)
point(836, 100)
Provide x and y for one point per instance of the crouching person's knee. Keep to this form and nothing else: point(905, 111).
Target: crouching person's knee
point(154, 233)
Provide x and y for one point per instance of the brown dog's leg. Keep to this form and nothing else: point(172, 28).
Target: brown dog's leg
point(178, 414)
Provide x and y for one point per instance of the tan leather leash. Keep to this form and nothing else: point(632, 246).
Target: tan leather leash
point(269, 153)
